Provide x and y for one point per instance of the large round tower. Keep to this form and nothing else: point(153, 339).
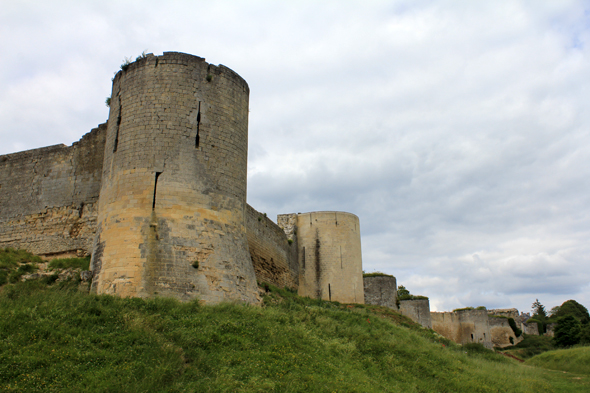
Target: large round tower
point(173, 196)
point(330, 259)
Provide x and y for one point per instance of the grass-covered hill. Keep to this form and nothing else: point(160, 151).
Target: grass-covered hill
point(55, 337)
point(573, 360)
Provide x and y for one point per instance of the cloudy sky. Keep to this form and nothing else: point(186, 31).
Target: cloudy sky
point(458, 131)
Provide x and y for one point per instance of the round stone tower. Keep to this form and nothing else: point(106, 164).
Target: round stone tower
point(173, 195)
point(330, 260)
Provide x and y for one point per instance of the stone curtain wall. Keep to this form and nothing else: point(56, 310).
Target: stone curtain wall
point(418, 310)
point(171, 216)
point(273, 258)
point(463, 327)
point(509, 313)
point(531, 329)
point(48, 197)
point(382, 291)
point(330, 260)
point(161, 188)
point(501, 332)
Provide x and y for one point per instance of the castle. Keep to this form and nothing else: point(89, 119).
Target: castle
point(157, 196)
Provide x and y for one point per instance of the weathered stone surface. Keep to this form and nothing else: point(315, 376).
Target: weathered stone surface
point(381, 291)
point(274, 257)
point(171, 209)
point(549, 330)
point(530, 328)
point(462, 327)
point(86, 275)
point(330, 259)
point(418, 310)
point(502, 334)
point(158, 197)
point(48, 196)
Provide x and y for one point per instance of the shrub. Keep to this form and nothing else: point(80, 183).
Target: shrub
point(69, 263)
point(15, 275)
point(404, 294)
point(532, 345)
point(516, 330)
point(567, 332)
point(585, 334)
point(575, 309)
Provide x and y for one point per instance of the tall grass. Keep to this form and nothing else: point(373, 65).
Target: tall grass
point(574, 360)
point(59, 339)
point(15, 263)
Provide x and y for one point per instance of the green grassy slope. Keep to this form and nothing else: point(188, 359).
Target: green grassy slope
point(59, 339)
point(574, 360)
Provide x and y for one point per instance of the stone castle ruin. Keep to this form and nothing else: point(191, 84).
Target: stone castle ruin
point(491, 328)
point(157, 197)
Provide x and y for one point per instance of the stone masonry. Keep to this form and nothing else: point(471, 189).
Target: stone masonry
point(381, 291)
point(157, 196)
point(48, 197)
point(173, 195)
point(329, 250)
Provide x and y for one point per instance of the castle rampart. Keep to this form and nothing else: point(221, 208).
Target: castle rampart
point(48, 196)
point(463, 326)
point(418, 310)
point(502, 334)
point(274, 257)
point(161, 188)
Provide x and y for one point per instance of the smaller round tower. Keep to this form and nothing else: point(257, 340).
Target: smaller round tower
point(330, 259)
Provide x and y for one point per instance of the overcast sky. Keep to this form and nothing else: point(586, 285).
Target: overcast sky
point(458, 131)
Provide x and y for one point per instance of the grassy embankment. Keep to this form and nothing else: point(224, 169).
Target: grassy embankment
point(56, 338)
point(573, 360)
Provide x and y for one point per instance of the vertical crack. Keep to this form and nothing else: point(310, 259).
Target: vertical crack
point(118, 125)
point(198, 125)
point(155, 189)
point(34, 178)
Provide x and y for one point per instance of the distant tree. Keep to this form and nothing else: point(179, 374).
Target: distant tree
point(539, 311)
point(402, 291)
point(553, 311)
point(585, 334)
point(575, 309)
point(567, 332)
